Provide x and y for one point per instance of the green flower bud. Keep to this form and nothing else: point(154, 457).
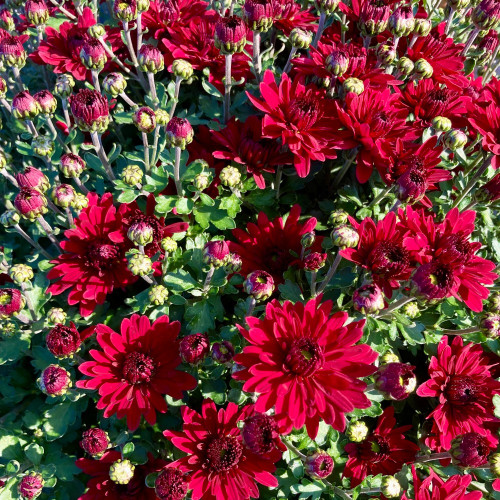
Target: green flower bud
point(390, 487)
point(327, 6)
point(21, 273)
point(405, 66)
point(308, 240)
point(182, 69)
point(96, 31)
point(168, 245)
point(80, 202)
point(386, 54)
point(121, 472)
point(300, 39)
point(162, 117)
point(158, 294)
point(345, 236)
point(114, 84)
point(454, 139)
point(388, 357)
point(495, 464)
point(202, 181)
point(3, 159)
point(422, 27)
point(494, 302)
point(141, 233)
point(10, 218)
point(411, 310)
point(7, 329)
point(357, 431)
point(441, 124)
point(140, 264)
point(353, 85)
point(43, 146)
point(64, 85)
point(56, 315)
point(422, 69)
point(63, 195)
point(132, 175)
point(230, 176)
point(143, 5)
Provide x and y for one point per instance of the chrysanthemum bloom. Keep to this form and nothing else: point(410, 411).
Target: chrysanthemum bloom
point(95, 442)
point(54, 380)
point(33, 178)
point(63, 341)
point(305, 364)
point(368, 299)
point(93, 263)
point(382, 251)
point(486, 121)
point(290, 15)
point(30, 203)
point(305, 121)
point(490, 192)
point(194, 348)
point(171, 484)
point(90, 110)
point(434, 488)
point(243, 143)
point(11, 302)
point(136, 368)
point(31, 485)
point(12, 52)
point(319, 465)
point(101, 485)
point(269, 245)
point(384, 451)
point(220, 466)
point(462, 382)
point(215, 253)
point(472, 449)
point(230, 34)
point(24, 106)
point(372, 16)
point(260, 433)
point(395, 380)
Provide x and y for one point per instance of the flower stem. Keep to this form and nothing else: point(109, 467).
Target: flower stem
point(6, 105)
point(227, 89)
point(146, 151)
point(133, 57)
point(257, 63)
point(432, 457)
point(65, 111)
point(314, 274)
point(279, 174)
point(67, 13)
point(48, 231)
point(396, 305)
point(138, 24)
point(449, 21)
point(345, 168)
point(32, 128)
point(154, 158)
point(17, 77)
point(177, 167)
point(321, 27)
point(32, 242)
point(208, 279)
point(152, 88)
point(95, 80)
point(96, 141)
point(116, 60)
point(55, 135)
point(293, 449)
point(395, 206)
point(81, 185)
point(330, 273)
point(69, 215)
point(470, 41)
point(465, 331)
point(380, 196)
point(127, 99)
point(251, 306)
point(288, 64)
point(480, 171)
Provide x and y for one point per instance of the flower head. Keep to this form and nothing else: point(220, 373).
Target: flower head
point(95, 442)
point(63, 341)
point(90, 110)
point(11, 302)
point(171, 484)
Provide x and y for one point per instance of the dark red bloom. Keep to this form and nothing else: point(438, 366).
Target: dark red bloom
point(11, 302)
point(194, 348)
point(270, 245)
point(220, 466)
point(290, 15)
point(384, 451)
point(305, 364)
point(260, 434)
point(101, 486)
point(94, 441)
point(490, 192)
point(472, 449)
point(171, 484)
point(486, 121)
point(90, 110)
point(462, 382)
point(243, 143)
point(395, 380)
point(63, 341)
point(54, 380)
point(319, 465)
point(31, 485)
point(30, 203)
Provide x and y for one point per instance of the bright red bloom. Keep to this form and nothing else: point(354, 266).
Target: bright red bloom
point(372, 119)
point(382, 251)
point(221, 467)
point(136, 368)
point(384, 451)
point(269, 245)
point(462, 382)
point(305, 364)
point(290, 16)
point(101, 486)
point(486, 121)
point(243, 144)
point(434, 488)
point(61, 49)
point(93, 263)
point(303, 119)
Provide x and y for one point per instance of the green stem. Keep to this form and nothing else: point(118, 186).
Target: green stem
point(330, 273)
point(227, 89)
point(177, 166)
point(380, 196)
point(480, 171)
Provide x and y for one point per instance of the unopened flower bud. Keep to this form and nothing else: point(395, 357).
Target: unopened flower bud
point(259, 284)
point(171, 484)
point(259, 14)
point(314, 261)
point(338, 217)
point(179, 132)
point(43, 146)
point(388, 357)
point(92, 54)
point(454, 139)
point(30, 203)
point(12, 53)
point(56, 315)
point(390, 487)
point(441, 124)
point(71, 165)
point(260, 433)
point(194, 348)
point(132, 175)
point(230, 176)
point(233, 263)
point(80, 202)
point(63, 195)
point(337, 62)
point(411, 310)
point(47, 102)
point(90, 110)
point(11, 302)
point(401, 21)
point(63, 341)
point(395, 380)
point(54, 381)
point(96, 31)
point(144, 119)
point(222, 352)
point(7, 330)
point(168, 245)
point(230, 35)
point(490, 325)
point(357, 431)
point(10, 218)
point(373, 18)
point(157, 295)
point(215, 253)
point(494, 302)
point(25, 106)
point(125, 10)
point(21, 273)
point(140, 264)
point(386, 54)
point(470, 450)
point(3, 88)
point(405, 66)
point(33, 178)
point(150, 59)
point(422, 69)
point(162, 117)
point(368, 299)
point(202, 181)
point(345, 236)
point(6, 20)
point(121, 471)
point(30, 486)
point(495, 464)
point(143, 5)
point(64, 86)
point(300, 39)
point(327, 6)
point(141, 233)
point(114, 84)
point(182, 69)
point(422, 26)
point(95, 442)
point(37, 12)
point(319, 465)
point(486, 15)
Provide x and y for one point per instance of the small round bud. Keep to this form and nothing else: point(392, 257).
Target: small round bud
point(395, 380)
point(223, 352)
point(422, 69)
point(390, 487)
point(441, 124)
point(182, 69)
point(12, 53)
point(21, 273)
point(10, 218)
point(470, 450)
point(47, 102)
point(259, 284)
point(54, 381)
point(388, 357)
point(179, 132)
point(345, 236)
point(90, 110)
point(37, 12)
point(11, 302)
point(300, 39)
point(125, 10)
point(357, 431)
point(3, 88)
point(95, 442)
point(64, 86)
point(411, 310)
point(162, 117)
point(490, 325)
point(386, 54)
point(319, 465)
point(143, 5)
point(71, 165)
point(495, 464)
point(230, 35)
point(3, 159)
point(132, 175)
point(150, 59)
point(168, 245)
point(63, 195)
point(337, 62)
point(56, 315)
point(422, 26)
point(338, 217)
point(412, 185)
point(121, 471)
point(171, 484)
point(259, 14)
point(158, 294)
point(93, 54)
point(30, 486)
point(63, 341)
point(327, 6)
point(141, 233)
point(230, 176)
point(8, 329)
point(144, 119)
point(25, 106)
point(401, 21)
point(405, 66)
point(140, 264)
point(215, 253)
point(194, 348)
point(314, 261)
point(97, 30)
point(43, 146)
point(260, 433)
point(202, 181)
point(7, 21)
point(307, 240)
point(368, 299)
point(114, 84)
point(454, 139)
point(80, 202)
point(30, 203)
point(233, 263)
point(494, 302)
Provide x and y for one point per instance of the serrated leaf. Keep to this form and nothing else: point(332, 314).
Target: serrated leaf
point(128, 196)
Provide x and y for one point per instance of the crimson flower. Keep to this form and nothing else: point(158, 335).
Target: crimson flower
point(273, 246)
point(136, 368)
point(290, 16)
point(306, 364)
point(384, 451)
point(303, 119)
point(462, 382)
point(220, 465)
point(93, 263)
point(243, 144)
point(486, 121)
point(101, 486)
point(434, 488)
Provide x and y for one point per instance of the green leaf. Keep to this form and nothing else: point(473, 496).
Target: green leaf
point(10, 448)
point(58, 418)
point(201, 315)
point(24, 148)
point(179, 281)
point(232, 205)
point(207, 200)
point(165, 204)
point(210, 89)
point(14, 348)
point(128, 196)
point(128, 449)
point(38, 291)
point(291, 291)
point(184, 205)
point(9, 491)
point(34, 452)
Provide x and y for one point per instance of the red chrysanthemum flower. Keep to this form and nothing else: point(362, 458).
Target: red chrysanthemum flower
point(384, 451)
point(61, 49)
point(93, 263)
point(290, 15)
point(382, 251)
point(434, 488)
point(305, 364)
point(243, 144)
point(221, 467)
point(305, 121)
point(273, 246)
point(101, 486)
point(486, 121)
point(462, 382)
point(136, 368)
